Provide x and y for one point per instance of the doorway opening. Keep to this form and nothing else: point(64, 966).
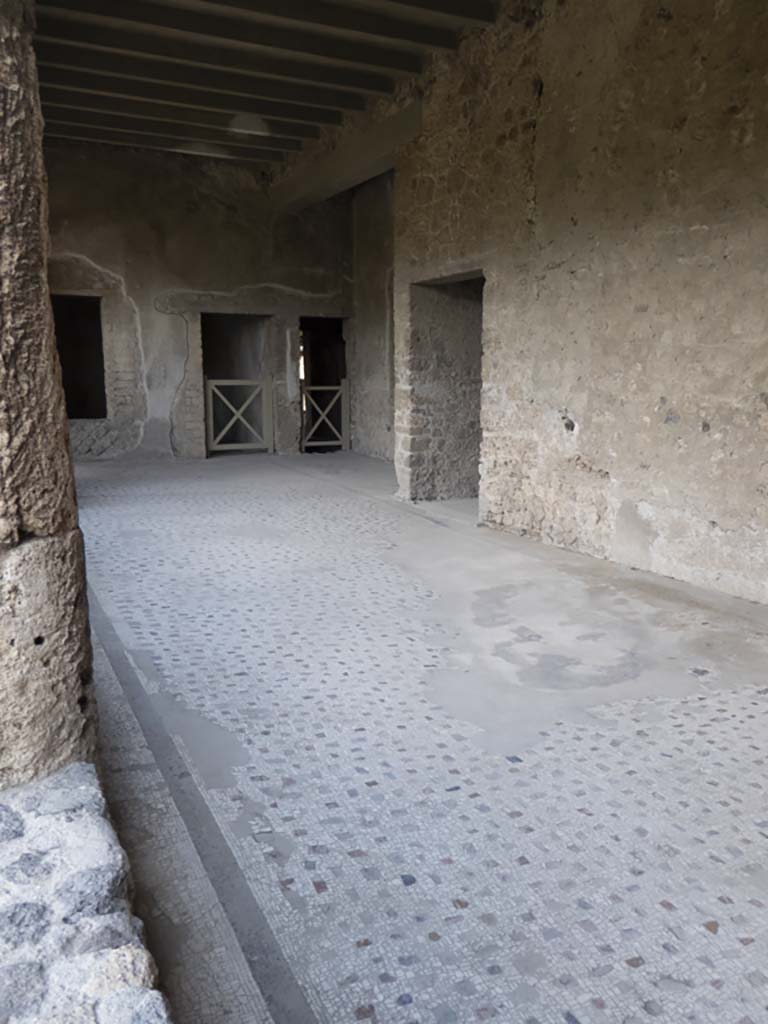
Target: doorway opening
point(324, 386)
point(77, 323)
point(447, 340)
point(238, 392)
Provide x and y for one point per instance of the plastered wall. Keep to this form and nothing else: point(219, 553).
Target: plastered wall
point(604, 166)
point(163, 238)
point(370, 344)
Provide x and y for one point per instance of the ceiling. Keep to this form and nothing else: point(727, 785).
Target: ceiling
point(245, 80)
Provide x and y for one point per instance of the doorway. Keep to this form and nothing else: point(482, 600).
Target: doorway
point(238, 392)
point(324, 387)
point(77, 323)
point(446, 377)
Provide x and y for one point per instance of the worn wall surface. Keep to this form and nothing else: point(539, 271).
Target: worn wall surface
point(370, 358)
point(164, 238)
point(605, 167)
point(46, 702)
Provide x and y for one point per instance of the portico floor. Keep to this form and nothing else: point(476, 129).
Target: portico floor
point(372, 763)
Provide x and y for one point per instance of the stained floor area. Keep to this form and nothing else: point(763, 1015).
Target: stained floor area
point(373, 763)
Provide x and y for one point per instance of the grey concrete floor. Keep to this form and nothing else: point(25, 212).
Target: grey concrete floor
point(372, 762)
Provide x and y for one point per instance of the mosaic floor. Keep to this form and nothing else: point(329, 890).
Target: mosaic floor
point(428, 774)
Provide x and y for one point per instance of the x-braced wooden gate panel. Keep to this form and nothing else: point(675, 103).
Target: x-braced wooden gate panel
point(239, 415)
point(325, 416)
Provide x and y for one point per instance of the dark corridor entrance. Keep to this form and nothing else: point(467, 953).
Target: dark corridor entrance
point(77, 322)
point(238, 391)
point(325, 394)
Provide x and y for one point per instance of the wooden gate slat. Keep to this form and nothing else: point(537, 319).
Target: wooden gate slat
point(215, 392)
point(335, 394)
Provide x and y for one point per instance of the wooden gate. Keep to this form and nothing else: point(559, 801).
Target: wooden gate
point(239, 415)
point(325, 416)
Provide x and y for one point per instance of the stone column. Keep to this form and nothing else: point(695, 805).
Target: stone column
point(46, 707)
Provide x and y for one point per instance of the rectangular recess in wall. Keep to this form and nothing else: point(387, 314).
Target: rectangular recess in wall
point(446, 386)
point(77, 322)
point(238, 385)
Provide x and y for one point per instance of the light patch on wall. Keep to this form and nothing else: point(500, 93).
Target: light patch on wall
point(635, 534)
point(249, 124)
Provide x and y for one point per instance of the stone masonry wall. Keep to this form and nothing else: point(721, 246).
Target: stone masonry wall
point(164, 238)
point(604, 167)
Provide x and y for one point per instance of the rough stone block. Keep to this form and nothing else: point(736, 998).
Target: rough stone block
point(72, 951)
point(110, 931)
point(23, 924)
point(29, 869)
point(92, 892)
point(132, 1006)
point(47, 711)
point(11, 824)
point(72, 789)
point(22, 990)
